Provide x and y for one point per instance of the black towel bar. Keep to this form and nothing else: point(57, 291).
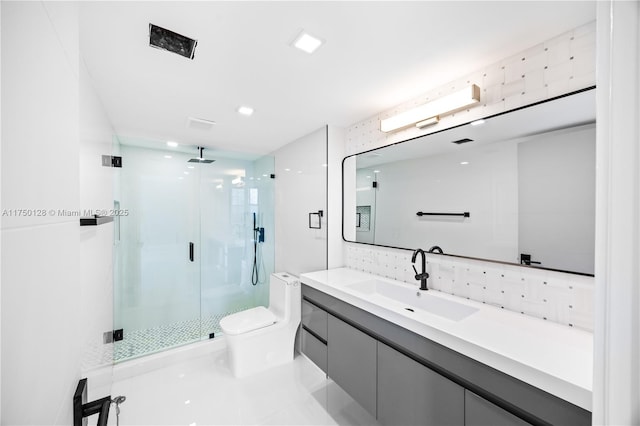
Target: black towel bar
point(465, 214)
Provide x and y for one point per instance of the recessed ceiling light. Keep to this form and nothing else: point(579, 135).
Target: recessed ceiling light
point(245, 110)
point(172, 144)
point(306, 42)
point(464, 163)
point(477, 122)
point(287, 170)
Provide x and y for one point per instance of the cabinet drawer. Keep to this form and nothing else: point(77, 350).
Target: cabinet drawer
point(314, 349)
point(315, 319)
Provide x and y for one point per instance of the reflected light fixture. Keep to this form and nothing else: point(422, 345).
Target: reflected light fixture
point(477, 122)
point(172, 144)
point(441, 106)
point(306, 42)
point(245, 110)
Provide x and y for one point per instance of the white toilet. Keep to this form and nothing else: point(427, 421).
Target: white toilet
point(260, 338)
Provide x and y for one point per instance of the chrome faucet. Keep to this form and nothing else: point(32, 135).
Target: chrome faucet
point(422, 276)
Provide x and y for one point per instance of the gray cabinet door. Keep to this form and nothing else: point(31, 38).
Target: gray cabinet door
point(351, 362)
point(411, 394)
point(480, 412)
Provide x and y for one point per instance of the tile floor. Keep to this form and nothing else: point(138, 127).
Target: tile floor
point(162, 337)
point(202, 391)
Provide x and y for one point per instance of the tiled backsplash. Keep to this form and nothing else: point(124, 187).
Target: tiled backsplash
point(558, 66)
point(553, 296)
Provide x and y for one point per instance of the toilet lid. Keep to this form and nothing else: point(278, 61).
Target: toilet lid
point(245, 321)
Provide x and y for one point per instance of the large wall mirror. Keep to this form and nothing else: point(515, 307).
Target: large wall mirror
point(517, 188)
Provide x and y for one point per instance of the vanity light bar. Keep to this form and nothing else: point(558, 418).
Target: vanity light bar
point(428, 122)
point(446, 104)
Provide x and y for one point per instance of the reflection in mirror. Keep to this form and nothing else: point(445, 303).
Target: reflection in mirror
point(517, 188)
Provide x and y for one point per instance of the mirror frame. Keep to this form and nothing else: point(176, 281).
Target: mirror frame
point(502, 262)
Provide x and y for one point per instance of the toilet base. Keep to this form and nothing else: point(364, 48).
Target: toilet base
point(257, 351)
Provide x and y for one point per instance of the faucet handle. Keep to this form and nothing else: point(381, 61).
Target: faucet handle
point(415, 270)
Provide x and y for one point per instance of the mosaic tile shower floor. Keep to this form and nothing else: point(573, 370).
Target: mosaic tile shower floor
point(147, 341)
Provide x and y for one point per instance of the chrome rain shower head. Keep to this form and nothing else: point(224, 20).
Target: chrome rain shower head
point(201, 159)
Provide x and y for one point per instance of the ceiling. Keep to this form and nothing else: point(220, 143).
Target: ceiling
point(376, 55)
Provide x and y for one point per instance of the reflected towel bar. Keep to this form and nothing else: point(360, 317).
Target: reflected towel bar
point(465, 214)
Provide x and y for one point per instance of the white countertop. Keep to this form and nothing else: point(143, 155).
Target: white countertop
point(553, 357)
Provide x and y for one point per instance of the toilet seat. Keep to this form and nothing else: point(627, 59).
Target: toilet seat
point(249, 320)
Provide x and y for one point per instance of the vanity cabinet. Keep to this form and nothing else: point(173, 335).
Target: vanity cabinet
point(411, 394)
point(480, 412)
point(403, 378)
point(351, 360)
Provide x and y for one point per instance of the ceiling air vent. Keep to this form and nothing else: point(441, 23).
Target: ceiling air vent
point(461, 141)
point(164, 39)
point(200, 123)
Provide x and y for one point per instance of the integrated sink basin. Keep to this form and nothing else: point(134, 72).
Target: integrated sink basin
point(413, 299)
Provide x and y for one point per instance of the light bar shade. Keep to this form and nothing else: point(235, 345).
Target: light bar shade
point(441, 106)
point(428, 122)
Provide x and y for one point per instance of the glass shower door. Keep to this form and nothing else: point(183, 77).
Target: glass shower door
point(157, 293)
point(236, 201)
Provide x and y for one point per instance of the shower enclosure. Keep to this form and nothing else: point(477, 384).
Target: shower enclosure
point(185, 249)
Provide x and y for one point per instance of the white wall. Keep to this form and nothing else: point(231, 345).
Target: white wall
point(301, 185)
point(335, 154)
point(96, 242)
point(616, 396)
point(45, 323)
point(0, 219)
point(556, 197)
point(486, 187)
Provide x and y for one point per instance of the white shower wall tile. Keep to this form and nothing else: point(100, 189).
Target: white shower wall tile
point(548, 69)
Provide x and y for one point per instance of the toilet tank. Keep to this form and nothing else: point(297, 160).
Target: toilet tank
point(284, 295)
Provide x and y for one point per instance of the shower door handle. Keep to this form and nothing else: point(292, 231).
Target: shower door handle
point(191, 251)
